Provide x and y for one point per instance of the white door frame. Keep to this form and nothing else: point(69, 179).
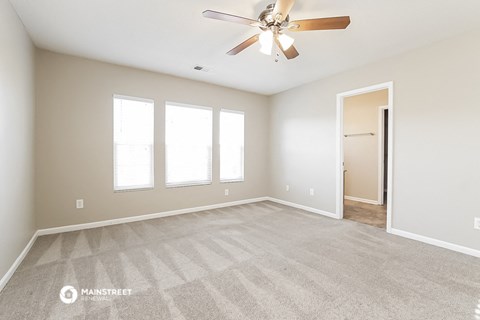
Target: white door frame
point(339, 138)
point(381, 164)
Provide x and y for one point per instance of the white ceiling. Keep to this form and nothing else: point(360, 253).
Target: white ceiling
point(172, 36)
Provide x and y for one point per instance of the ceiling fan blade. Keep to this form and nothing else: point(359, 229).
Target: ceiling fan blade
point(320, 24)
point(244, 45)
point(282, 7)
point(230, 18)
point(290, 53)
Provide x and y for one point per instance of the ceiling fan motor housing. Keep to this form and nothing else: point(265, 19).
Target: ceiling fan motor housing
point(268, 20)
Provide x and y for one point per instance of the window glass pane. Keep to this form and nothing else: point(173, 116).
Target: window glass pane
point(231, 145)
point(133, 143)
point(188, 145)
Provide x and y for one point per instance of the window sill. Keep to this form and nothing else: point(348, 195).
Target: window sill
point(173, 186)
point(133, 190)
point(232, 181)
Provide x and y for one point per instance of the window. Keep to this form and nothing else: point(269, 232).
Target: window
point(231, 146)
point(188, 145)
point(133, 143)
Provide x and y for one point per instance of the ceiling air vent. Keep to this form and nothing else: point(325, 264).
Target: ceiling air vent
point(201, 68)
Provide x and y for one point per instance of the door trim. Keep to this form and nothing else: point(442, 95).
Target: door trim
point(339, 142)
point(381, 149)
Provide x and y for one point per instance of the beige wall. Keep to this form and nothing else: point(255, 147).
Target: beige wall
point(74, 141)
point(360, 115)
point(436, 138)
point(16, 137)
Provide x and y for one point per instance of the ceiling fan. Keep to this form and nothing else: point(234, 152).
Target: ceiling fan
point(273, 22)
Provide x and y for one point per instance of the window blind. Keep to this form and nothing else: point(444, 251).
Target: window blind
point(188, 145)
point(133, 125)
point(231, 145)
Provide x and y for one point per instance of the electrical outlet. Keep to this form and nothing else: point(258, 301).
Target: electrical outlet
point(476, 223)
point(79, 204)
point(287, 188)
point(227, 192)
point(312, 192)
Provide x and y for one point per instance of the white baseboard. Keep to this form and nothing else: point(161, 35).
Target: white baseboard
point(362, 200)
point(13, 268)
point(299, 206)
point(435, 242)
point(104, 223)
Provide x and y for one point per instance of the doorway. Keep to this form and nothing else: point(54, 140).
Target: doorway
point(365, 193)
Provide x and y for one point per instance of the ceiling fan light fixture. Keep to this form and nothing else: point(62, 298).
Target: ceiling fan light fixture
point(285, 41)
point(266, 42)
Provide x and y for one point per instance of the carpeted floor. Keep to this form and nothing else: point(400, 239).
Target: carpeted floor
point(257, 261)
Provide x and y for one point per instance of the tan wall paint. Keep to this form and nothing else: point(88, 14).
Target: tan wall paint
point(74, 141)
point(17, 223)
point(360, 115)
point(436, 138)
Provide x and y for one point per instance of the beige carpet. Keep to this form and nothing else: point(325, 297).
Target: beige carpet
point(258, 261)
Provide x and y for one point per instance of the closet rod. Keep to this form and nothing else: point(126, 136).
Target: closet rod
point(359, 134)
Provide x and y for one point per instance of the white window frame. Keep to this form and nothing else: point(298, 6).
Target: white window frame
point(152, 177)
point(219, 139)
point(190, 183)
